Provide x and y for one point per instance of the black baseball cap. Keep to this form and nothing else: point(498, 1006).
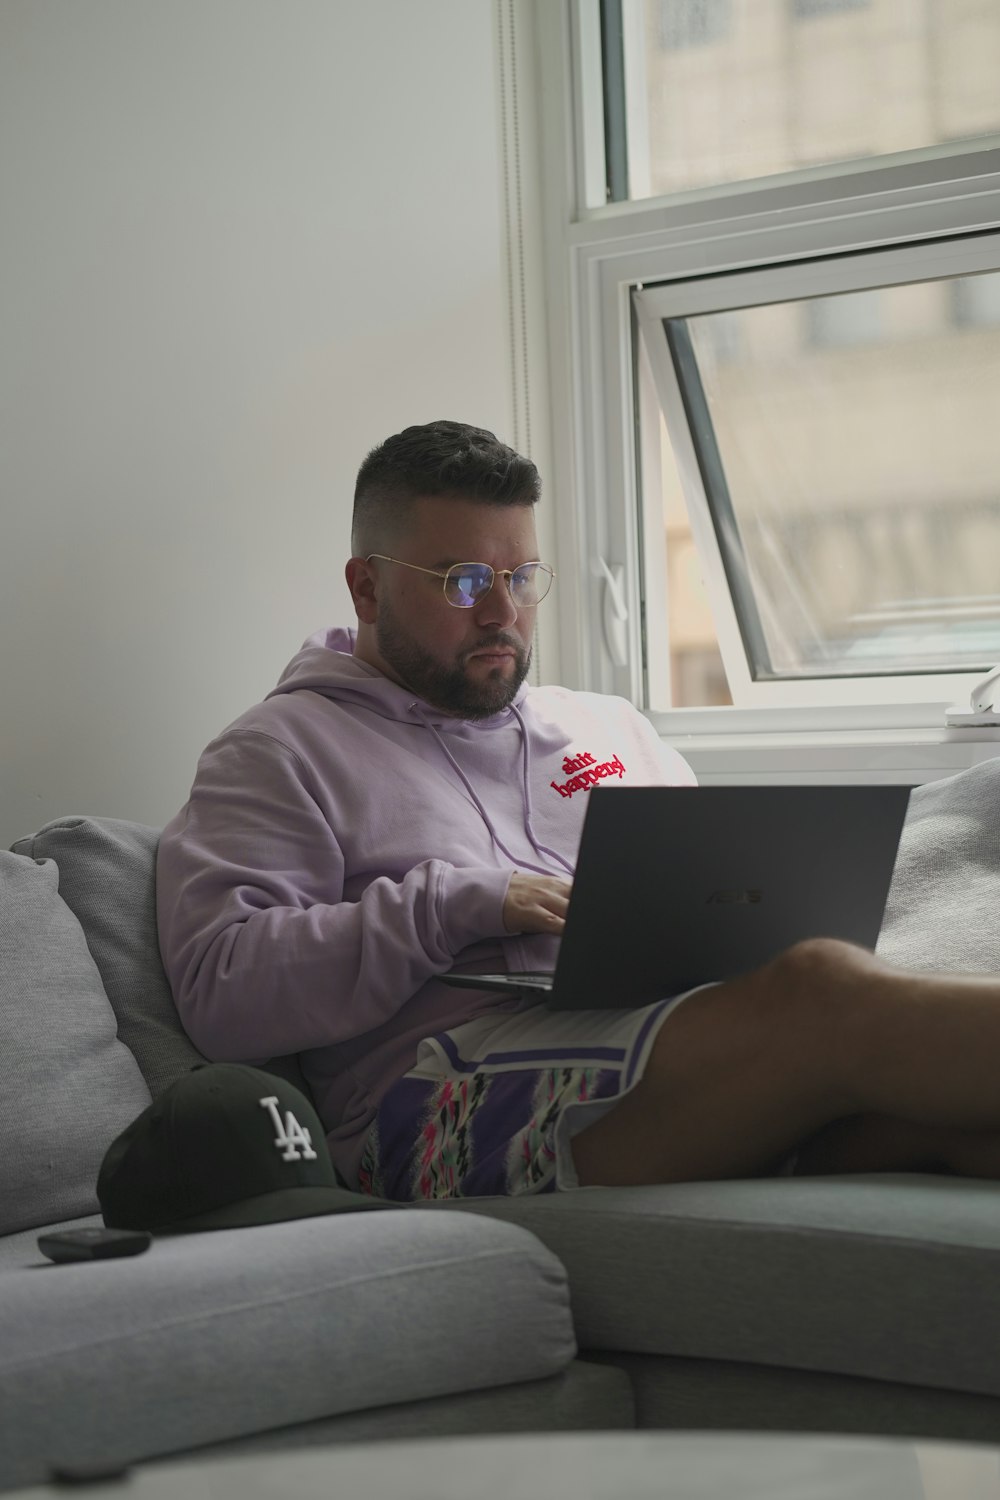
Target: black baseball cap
point(223, 1147)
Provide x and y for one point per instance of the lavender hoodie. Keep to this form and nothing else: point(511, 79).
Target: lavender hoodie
point(344, 843)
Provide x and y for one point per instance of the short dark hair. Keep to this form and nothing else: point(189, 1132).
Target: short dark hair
point(439, 459)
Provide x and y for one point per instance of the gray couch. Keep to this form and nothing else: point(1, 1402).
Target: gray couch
point(851, 1304)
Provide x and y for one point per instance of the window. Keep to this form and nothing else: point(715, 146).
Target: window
point(804, 9)
point(691, 23)
point(720, 92)
point(781, 457)
point(848, 487)
point(844, 322)
point(975, 301)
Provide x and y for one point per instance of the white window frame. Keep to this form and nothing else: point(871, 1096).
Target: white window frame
point(596, 258)
point(930, 260)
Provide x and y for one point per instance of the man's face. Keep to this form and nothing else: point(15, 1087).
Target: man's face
point(466, 662)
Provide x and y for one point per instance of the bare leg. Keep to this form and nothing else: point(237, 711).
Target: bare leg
point(878, 1143)
point(746, 1072)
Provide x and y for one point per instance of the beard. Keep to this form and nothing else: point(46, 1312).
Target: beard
point(449, 688)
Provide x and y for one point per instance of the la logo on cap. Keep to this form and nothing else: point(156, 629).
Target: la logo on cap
point(291, 1135)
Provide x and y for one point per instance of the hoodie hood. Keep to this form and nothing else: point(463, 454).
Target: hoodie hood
point(326, 664)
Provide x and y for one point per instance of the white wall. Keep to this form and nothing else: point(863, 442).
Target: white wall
point(243, 240)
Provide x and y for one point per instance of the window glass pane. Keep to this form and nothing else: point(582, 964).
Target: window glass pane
point(738, 89)
point(975, 301)
point(861, 472)
point(840, 322)
point(695, 676)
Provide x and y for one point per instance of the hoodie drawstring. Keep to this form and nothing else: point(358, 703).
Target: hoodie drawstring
point(540, 849)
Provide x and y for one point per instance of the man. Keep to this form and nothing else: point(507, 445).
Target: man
point(402, 804)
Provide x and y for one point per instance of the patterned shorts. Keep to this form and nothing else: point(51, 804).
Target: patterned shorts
point(491, 1107)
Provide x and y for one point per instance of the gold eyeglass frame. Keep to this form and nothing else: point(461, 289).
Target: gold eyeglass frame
point(507, 573)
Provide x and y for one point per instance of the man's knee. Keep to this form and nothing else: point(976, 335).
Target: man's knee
point(829, 1000)
point(790, 1021)
point(819, 967)
point(747, 1068)
point(787, 1012)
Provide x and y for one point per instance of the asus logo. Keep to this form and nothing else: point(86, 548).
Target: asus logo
point(748, 898)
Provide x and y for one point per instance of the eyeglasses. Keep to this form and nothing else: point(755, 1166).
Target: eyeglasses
point(466, 583)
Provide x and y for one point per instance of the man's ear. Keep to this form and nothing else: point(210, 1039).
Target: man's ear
point(361, 580)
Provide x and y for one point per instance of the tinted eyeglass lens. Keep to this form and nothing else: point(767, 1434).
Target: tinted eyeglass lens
point(467, 583)
point(530, 584)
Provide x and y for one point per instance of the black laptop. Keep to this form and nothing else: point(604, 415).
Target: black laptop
point(679, 886)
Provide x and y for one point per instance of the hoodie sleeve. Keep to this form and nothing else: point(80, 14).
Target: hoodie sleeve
point(263, 955)
point(668, 766)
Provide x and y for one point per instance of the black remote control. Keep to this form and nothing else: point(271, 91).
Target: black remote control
point(93, 1244)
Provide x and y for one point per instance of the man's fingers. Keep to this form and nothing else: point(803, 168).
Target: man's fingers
point(537, 903)
point(553, 921)
point(549, 911)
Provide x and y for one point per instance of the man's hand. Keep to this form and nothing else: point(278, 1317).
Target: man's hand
point(536, 903)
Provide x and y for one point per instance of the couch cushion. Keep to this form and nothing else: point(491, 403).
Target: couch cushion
point(891, 1278)
point(67, 1084)
point(942, 908)
point(212, 1336)
point(107, 876)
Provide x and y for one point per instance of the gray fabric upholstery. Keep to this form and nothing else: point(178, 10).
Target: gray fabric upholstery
point(583, 1397)
point(945, 895)
point(210, 1337)
point(67, 1084)
point(107, 871)
point(889, 1278)
point(107, 876)
point(711, 1393)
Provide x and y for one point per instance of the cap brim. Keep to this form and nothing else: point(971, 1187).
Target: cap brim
point(275, 1208)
